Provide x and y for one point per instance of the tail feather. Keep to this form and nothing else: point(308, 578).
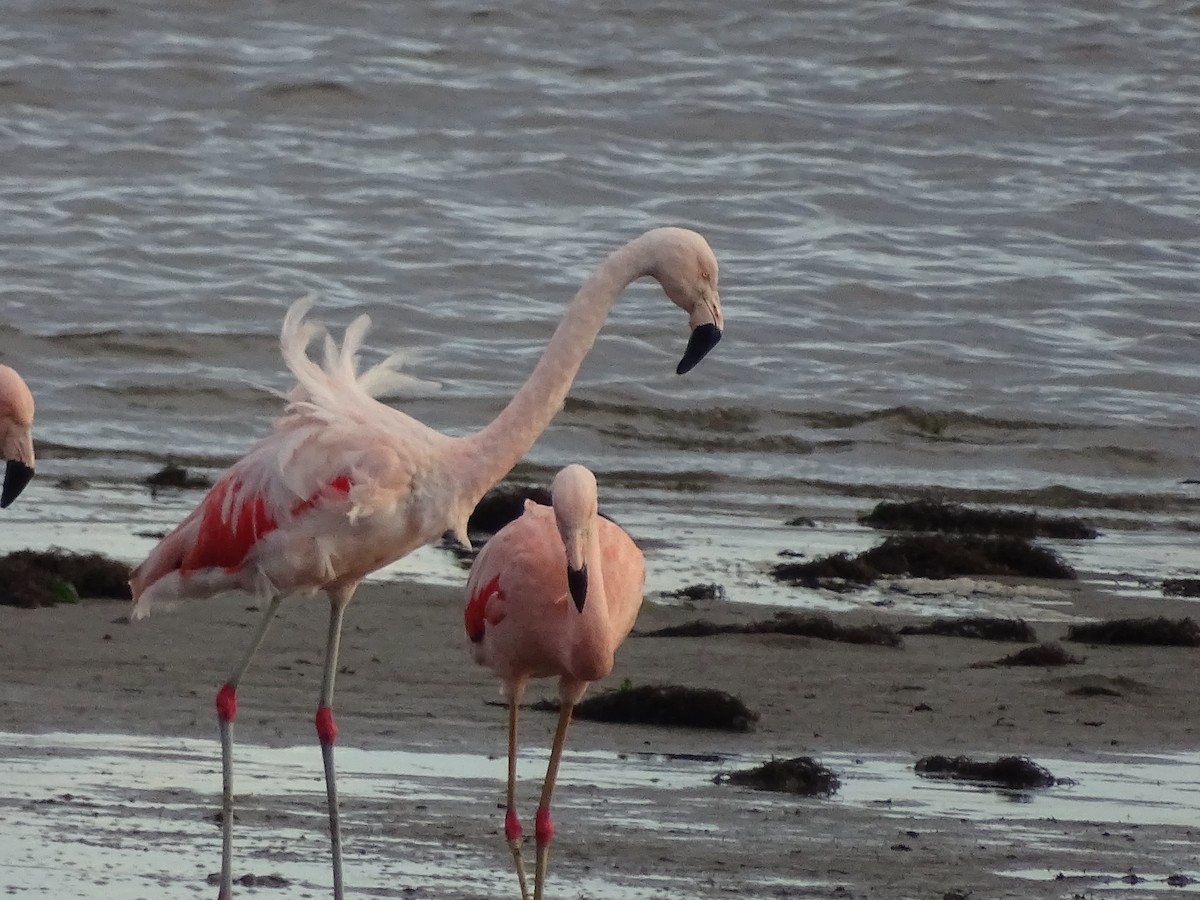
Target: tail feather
point(322, 390)
point(164, 560)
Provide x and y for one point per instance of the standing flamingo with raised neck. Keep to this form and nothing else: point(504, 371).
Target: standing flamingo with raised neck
point(553, 593)
point(16, 434)
point(345, 485)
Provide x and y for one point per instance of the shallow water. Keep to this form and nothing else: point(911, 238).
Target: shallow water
point(114, 816)
point(958, 243)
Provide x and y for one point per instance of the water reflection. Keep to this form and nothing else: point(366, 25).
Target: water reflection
point(117, 816)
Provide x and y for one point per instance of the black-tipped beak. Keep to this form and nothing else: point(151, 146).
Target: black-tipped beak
point(704, 338)
point(577, 582)
point(16, 476)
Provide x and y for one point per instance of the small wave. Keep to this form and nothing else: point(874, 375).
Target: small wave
point(319, 92)
point(930, 423)
point(53, 450)
point(154, 344)
point(717, 417)
point(913, 420)
point(83, 12)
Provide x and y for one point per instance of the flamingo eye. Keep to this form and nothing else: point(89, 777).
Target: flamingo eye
point(704, 274)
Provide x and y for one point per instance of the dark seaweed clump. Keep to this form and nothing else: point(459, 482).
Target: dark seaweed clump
point(695, 628)
point(982, 627)
point(1159, 632)
point(799, 775)
point(173, 475)
point(929, 556)
point(695, 592)
point(815, 625)
point(501, 505)
point(931, 515)
point(1041, 655)
point(823, 627)
point(249, 880)
point(1012, 772)
point(670, 705)
point(33, 578)
point(1181, 587)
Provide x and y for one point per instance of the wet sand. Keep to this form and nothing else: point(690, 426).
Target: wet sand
point(407, 684)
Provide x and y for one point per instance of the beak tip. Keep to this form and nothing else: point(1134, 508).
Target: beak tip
point(577, 583)
point(703, 339)
point(16, 476)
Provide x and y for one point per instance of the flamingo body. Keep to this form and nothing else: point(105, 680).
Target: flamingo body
point(520, 616)
point(342, 486)
point(16, 434)
point(552, 594)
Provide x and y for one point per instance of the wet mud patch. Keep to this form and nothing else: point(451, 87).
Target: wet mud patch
point(814, 625)
point(420, 822)
point(34, 578)
point(935, 556)
point(800, 775)
point(673, 706)
point(985, 628)
point(932, 515)
point(1150, 631)
point(1009, 772)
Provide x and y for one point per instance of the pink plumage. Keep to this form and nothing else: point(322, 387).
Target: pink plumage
point(16, 434)
point(344, 485)
point(552, 594)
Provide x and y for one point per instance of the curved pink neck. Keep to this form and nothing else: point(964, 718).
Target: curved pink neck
point(499, 445)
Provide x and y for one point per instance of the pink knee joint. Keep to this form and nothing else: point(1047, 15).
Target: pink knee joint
point(326, 730)
point(512, 826)
point(544, 827)
point(227, 702)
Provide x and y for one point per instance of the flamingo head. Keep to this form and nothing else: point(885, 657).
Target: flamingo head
point(574, 498)
point(686, 267)
point(16, 438)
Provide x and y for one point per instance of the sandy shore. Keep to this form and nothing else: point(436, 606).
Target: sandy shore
point(407, 681)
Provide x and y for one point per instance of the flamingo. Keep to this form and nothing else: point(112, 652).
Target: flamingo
point(521, 625)
point(16, 434)
point(344, 485)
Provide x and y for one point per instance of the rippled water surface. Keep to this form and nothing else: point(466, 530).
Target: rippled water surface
point(959, 241)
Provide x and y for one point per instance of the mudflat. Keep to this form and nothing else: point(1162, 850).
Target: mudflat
point(407, 681)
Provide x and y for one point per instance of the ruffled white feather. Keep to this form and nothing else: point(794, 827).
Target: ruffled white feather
point(322, 390)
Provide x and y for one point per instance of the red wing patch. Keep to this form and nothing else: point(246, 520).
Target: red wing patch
point(474, 616)
point(339, 485)
point(224, 543)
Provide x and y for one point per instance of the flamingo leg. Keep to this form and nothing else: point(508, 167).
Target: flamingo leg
point(544, 826)
point(512, 825)
point(327, 730)
point(226, 711)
